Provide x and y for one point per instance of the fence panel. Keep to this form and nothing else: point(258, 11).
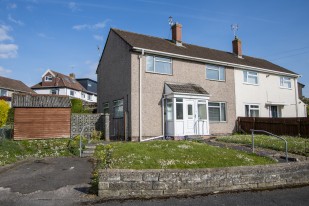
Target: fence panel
point(278, 126)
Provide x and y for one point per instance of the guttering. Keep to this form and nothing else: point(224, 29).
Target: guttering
point(214, 62)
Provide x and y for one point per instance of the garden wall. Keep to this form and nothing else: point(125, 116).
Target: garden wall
point(94, 122)
point(123, 183)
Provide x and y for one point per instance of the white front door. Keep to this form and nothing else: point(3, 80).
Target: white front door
point(189, 117)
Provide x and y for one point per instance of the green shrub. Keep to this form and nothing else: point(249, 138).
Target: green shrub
point(96, 135)
point(103, 154)
point(77, 106)
point(10, 119)
point(73, 145)
point(4, 109)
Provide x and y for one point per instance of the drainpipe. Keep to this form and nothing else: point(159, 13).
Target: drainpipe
point(140, 94)
point(296, 96)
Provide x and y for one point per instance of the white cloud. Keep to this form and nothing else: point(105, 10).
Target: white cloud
point(98, 37)
point(10, 18)
point(4, 33)
point(11, 6)
point(4, 72)
point(8, 51)
point(100, 25)
point(73, 6)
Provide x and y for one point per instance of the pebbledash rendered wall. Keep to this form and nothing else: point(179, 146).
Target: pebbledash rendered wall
point(123, 183)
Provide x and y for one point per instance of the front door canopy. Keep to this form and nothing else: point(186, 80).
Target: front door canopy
point(192, 91)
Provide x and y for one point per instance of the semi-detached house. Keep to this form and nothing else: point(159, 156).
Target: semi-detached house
point(170, 88)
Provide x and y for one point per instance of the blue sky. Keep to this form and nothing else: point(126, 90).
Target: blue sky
point(36, 35)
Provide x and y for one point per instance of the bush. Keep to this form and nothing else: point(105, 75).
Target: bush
point(73, 145)
point(77, 106)
point(4, 109)
point(10, 119)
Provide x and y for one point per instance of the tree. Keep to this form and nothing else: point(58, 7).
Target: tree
point(306, 101)
point(4, 109)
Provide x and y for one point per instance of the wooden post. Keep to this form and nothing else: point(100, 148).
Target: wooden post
point(126, 126)
point(106, 127)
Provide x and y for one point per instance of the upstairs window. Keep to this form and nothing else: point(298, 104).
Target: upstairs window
point(83, 95)
point(72, 93)
point(158, 65)
point(48, 78)
point(214, 72)
point(251, 77)
point(3, 92)
point(285, 82)
point(54, 91)
point(89, 97)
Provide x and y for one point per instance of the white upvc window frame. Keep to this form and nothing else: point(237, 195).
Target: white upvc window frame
point(220, 111)
point(72, 93)
point(285, 82)
point(254, 107)
point(54, 91)
point(219, 69)
point(249, 74)
point(158, 59)
point(3, 92)
point(48, 78)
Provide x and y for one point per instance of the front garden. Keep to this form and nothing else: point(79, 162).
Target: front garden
point(12, 151)
point(172, 155)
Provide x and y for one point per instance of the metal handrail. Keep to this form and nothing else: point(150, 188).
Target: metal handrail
point(271, 134)
point(80, 140)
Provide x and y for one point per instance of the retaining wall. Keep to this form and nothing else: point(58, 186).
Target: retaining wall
point(123, 183)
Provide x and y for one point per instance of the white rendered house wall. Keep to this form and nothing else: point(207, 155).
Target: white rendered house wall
point(266, 93)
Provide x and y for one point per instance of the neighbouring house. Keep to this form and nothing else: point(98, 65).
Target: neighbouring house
point(170, 88)
point(57, 83)
point(39, 116)
point(300, 89)
point(9, 86)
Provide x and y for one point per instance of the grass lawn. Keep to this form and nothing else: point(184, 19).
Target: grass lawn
point(12, 151)
point(296, 145)
point(173, 154)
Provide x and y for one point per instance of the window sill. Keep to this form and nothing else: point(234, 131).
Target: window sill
point(216, 80)
point(246, 83)
point(159, 73)
point(286, 88)
point(215, 122)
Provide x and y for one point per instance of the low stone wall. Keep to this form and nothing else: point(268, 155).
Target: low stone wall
point(122, 183)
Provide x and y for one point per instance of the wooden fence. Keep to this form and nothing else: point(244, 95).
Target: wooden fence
point(279, 126)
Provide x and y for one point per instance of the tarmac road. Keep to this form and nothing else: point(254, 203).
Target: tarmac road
point(48, 181)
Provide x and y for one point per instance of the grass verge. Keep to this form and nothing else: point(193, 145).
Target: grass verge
point(12, 151)
point(172, 155)
point(296, 145)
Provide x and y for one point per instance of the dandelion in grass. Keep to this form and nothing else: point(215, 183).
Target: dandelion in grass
point(184, 146)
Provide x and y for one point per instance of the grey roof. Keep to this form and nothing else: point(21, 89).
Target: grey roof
point(187, 88)
point(14, 85)
point(41, 101)
point(166, 45)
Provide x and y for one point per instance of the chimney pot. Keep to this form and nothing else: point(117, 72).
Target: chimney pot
point(177, 33)
point(237, 47)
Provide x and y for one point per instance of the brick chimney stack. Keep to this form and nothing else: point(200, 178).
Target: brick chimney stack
point(72, 75)
point(237, 47)
point(177, 34)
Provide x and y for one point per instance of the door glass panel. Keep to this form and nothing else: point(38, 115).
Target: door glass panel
point(190, 111)
point(179, 111)
point(202, 112)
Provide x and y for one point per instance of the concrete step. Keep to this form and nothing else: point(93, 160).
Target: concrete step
point(88, 151)
point(90, 146)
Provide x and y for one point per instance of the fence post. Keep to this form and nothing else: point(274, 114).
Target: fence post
point(125, 126)
point(106, 127)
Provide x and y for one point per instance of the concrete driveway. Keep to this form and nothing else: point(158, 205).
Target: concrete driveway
point(48, 181)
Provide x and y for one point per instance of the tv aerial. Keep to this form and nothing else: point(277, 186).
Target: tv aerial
point(170, 21)
point(234, 28)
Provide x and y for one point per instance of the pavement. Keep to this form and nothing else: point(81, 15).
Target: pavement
point(48, 181)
